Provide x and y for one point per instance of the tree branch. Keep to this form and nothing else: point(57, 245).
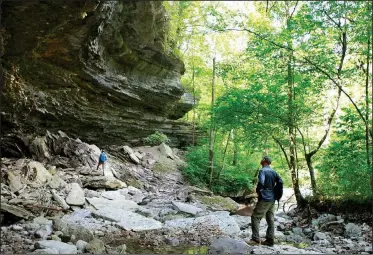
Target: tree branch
point(283, 150)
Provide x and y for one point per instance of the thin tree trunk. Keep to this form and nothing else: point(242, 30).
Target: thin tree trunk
point(367, 103)
point(291, 124)
point(211, 145)
point(235, 150)
point(194, 110)
point(224, 155)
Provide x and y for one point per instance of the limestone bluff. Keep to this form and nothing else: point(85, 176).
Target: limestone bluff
point(97, 70)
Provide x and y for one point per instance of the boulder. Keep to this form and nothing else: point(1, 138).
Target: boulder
point(81, 245)
point(39, 148)
point(69, 230)
point(187, 208)
point(229, 246)
point(15, 181)
point(56, 182)
point(128, 150)
point(76, 195)
point(44, 231)
point(63, 248)
point(134, 158)
point(319, 236)
point(218, 203)
point(166, 151)
point(42, 176)
point(352, 230)
point(102, 182)
point(95, 246)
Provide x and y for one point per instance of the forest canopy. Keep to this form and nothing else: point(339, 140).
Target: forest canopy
point(288, 79)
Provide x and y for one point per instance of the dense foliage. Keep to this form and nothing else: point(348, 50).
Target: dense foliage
point(290, 79)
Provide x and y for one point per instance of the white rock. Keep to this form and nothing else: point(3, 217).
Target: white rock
point(187, 208)
point(76, 195)
point(42, 175)
point(166, 150)
point(62, 248)
point(128, 220)
point(119, 203)
point(80, 245)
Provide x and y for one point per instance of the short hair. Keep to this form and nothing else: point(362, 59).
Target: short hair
point(267, 159)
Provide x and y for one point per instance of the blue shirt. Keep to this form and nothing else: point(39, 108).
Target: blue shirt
point(266, 181)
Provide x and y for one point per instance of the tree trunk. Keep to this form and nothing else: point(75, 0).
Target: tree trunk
point(235, 150)
point(312, 173)
point(194, 110)
point(211, 145)
point(224, 154)
point(367, 103)
point(291, 124)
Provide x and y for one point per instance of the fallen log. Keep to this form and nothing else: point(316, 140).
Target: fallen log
point(54, 208)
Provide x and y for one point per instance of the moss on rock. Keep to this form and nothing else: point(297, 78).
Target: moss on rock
point(218, 203)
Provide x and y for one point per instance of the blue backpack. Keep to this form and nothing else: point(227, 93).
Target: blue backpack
point(102, 157)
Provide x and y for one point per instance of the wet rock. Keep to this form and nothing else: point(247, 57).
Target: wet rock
point(323, 219)
point(127, 220)
point(62, 248)
point(229, 246)
point(352, 230)
point(16, 210)
point(298, 231)
point(187, 208)
point(76, 195)
point(95, 246)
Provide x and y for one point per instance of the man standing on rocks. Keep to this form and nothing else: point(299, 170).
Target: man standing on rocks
point(267, 179)
point(101, 161)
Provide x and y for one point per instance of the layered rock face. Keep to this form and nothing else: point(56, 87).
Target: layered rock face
point(95, 69)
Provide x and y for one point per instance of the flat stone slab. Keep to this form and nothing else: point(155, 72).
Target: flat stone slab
point(16, 210)
point(76, 195)
point(187, 208)
point(117, 203)
point(128, 220)
point(222, 221)
point(63, 248)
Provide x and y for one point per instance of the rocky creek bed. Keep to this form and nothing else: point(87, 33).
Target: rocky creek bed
point(57, 203)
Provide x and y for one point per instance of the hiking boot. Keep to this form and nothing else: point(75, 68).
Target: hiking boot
point(253, 242)
point(269, 242)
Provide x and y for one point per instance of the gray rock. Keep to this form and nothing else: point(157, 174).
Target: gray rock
point(42, 221)
point(68, 229)
point(76, 195)
point(31, 226)
point(118, 203)
point(15, 181)
point(44, 231)
point(104, 182)
point(229, 246)
point(42, 175)
point(298, 231)
point(56, 182)
point(319, 236)
point(59, 200)
point(15, 210)
point(323, 219)
point(352, 230)
point(187, 208)
point(17, 227)
point(166, 150)
point(62, 248)
point(242, 221)
point(172, 241)
point(127, 220)
point(81, 245)
point(128, 150)
point(95, 246)
point(46, 251)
